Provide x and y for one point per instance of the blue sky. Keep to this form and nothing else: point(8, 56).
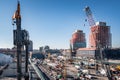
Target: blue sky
point(52, 22)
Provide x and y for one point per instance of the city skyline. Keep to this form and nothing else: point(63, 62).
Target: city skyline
point(52, 22)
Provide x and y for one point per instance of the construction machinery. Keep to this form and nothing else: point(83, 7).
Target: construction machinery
point(21, 39)
point(96, 41)
point(89, 16)
point(99, 57)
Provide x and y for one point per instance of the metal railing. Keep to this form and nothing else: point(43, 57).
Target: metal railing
point(38, 72)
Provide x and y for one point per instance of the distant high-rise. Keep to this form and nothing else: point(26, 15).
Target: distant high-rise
point(100, 35)
point(78, 39)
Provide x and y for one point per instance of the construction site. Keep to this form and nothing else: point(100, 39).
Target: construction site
point(100, 41)
point(79, 62)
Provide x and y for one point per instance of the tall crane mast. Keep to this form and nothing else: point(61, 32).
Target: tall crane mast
point(93, 32)
point(98, 46)
point(89, 16)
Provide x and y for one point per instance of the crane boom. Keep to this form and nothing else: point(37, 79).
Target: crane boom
point(98, 46)
point(89, 16)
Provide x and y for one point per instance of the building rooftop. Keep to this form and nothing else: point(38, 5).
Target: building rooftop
point(87, 49)
point(100, 23)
